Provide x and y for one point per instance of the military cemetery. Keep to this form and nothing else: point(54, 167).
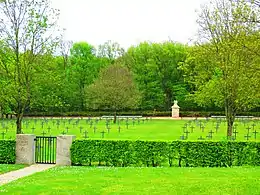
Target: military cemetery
point(158, 116)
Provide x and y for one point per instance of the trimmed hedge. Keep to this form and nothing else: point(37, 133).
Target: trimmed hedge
point(154, 153)
point(143, 113)
point(7, 151)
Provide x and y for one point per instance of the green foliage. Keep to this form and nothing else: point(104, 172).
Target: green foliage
point(155, 68)
point(85, 67)
point(176, 153)
point(27, 29)
point(7, 151)
point(115, 90)
point(225, 69)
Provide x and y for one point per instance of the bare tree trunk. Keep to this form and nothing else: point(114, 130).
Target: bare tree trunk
point(230, 116)
point(230, 122)
point(19, 123)
point(115, 117)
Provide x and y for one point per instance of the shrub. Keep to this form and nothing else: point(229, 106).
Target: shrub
point(159, 153)
point(139, 113)
point(7, 151)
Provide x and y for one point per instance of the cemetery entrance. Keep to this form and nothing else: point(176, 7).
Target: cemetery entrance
point(45, 150)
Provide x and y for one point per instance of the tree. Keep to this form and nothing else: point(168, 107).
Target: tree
point(114, 90)
point(26, 29)
point(85, 67)
point(155, 68)
point(110, 50)
point(65, 47)
point(50, 93)
point(224, 67)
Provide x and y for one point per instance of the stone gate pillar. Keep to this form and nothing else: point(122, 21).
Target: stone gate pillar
point(63, 149)
point(25, 149)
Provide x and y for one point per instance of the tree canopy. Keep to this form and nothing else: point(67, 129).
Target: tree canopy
point(225, 69)
point(115, 90)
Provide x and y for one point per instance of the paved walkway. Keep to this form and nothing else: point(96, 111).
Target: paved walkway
point(14, 175)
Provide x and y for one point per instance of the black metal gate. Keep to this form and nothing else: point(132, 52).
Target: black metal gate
point(45, 150)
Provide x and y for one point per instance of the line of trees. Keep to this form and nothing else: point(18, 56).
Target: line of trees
point(221, 71)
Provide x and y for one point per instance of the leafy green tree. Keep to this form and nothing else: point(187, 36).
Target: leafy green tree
point(224, 68)
point(49, 93)
point(85, 67)
point(26, 30)
point(155, 67)
point(115, 90)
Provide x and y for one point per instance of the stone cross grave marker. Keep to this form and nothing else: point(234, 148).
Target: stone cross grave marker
point(133, 121)
point(108, 129)
point(255, 132)
point(247, 137)
point(3, 135)
point(253, 126)
point(184, 128)
point(217, 127)
point(85, 134)
point(91, 124)
point(42, 123)
point(80, 129)
point(63, 132)
point(248, 129)
point(187, 133)
point(102, 134)
point(211, 133)
point(43, 133)
point(235, 132)
point(192, 128)
point(202, 128)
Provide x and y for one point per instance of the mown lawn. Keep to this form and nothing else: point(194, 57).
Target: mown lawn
point(137, 130)
point(91, 180)
point(4, 168)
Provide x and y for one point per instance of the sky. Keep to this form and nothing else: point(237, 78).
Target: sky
point(128, 22)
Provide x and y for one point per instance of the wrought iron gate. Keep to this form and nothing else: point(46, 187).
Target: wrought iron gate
point(45, 150)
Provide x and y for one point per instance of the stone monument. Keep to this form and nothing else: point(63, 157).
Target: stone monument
point(175, 110)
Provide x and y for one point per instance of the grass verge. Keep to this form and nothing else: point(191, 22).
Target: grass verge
point(91, 180)
point(4, 168)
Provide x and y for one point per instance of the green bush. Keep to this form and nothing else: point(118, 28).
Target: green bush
point(154, 153)
point(139, 113)
point(7, 151)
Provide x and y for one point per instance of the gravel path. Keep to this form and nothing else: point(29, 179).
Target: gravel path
point(14, 175)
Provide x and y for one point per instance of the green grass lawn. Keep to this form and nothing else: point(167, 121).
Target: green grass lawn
point(4, 168)
point(142, 130)
point(91, 180)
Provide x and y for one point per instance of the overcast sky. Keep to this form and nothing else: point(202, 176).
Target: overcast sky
point(128, 22)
